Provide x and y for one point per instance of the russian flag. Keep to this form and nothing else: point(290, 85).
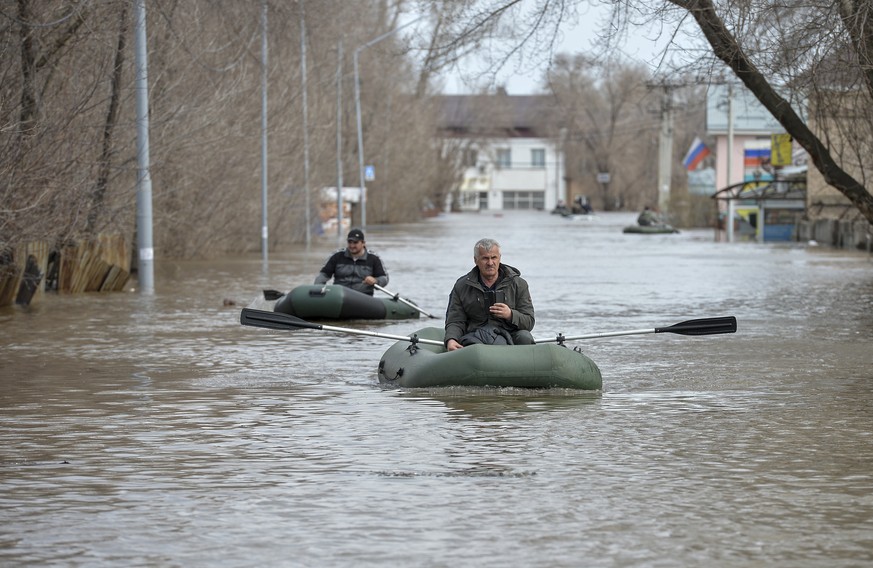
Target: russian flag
point(754, 157)
point(695, 154)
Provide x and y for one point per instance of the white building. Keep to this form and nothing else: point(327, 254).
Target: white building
point(507, 150)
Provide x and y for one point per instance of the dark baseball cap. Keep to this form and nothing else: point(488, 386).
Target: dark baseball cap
point(355, 235)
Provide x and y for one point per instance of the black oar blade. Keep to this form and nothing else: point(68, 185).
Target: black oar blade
point(273, 295)
point(705, 326)
point(273, 320)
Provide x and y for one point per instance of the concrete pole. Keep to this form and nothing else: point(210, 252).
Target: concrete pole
point(339, 143)
point(730, 162)
point(665, 154)
point(307, 213)
point(560, 189)
point(759, 230)
point(146, 265)
point(360, 140)
point(264, 225)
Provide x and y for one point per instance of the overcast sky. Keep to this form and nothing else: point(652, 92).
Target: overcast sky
point(522, 77)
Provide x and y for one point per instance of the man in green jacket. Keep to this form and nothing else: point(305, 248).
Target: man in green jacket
point(648, 218)
point(489, 304)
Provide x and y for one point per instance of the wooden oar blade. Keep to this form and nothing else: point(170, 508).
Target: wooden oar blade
point(705, 326)
point(273, 320)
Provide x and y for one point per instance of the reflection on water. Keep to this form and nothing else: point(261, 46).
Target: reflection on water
point(158, 431)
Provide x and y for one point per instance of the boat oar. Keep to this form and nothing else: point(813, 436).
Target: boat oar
point(271, 295)
point(399, 299)
point(705, 326)
point(278, 320)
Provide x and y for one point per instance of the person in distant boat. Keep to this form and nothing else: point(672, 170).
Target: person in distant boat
point(354, 266)
point(582, 206)
point(648, 218)
point(490, 304)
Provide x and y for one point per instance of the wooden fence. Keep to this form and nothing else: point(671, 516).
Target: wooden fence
point(98, 265)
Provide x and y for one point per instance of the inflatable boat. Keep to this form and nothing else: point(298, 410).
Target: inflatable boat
point(650, 229)
point(333, 302)
point(428, 364)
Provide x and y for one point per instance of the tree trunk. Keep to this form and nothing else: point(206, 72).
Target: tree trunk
point(726, 48)
point(108, 128)
point(28, 69)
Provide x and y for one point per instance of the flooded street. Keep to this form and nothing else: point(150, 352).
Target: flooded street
point(158, 431)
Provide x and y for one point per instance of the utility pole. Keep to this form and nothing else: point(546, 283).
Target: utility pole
point(264, 226)
point(665, 149)
point(307, 214)
point(729, 222)
point(665, 143)
point(339, 142)
point(146, 265)
point(560, 167)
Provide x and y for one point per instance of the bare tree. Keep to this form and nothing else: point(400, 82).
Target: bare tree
point(55, 63)
point(841, 27)
point(68, 160)
point(784, 54)
point(105, 162)
point(612, 128)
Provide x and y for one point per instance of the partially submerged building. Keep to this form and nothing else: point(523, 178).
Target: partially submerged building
point(507, 149)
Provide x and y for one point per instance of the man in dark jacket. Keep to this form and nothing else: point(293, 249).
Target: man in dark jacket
point(354, 267)
point(648, 218)
point(489, 304)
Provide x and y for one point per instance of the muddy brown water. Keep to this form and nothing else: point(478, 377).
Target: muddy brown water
point(157, 431)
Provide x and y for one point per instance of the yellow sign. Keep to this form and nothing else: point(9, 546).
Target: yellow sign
point(780, 149)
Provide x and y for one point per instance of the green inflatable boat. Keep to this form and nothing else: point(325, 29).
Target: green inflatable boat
point(650, 229)
point(333, 302)
point(545, 365)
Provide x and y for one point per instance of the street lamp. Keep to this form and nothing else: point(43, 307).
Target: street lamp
point(358, 50)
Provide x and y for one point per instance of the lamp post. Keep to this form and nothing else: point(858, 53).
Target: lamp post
point(264, 74)
point(729, 222)
point(146, 264)
point(357, 52)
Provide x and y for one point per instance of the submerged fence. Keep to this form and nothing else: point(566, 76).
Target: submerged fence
point(98, 265)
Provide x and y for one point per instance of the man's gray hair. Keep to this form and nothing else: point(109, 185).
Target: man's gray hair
point(486, 245)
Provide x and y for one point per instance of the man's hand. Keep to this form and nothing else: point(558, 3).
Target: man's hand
point(370, 281)
point(501, 310)
point(453, 345)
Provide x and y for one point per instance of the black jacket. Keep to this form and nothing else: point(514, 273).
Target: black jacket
point(350, 272)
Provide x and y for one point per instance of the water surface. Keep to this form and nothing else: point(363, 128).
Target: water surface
point(157, 431)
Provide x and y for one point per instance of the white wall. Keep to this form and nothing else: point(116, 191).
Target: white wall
point(521, 175)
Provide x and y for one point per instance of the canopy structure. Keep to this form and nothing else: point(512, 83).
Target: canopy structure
point(764, 210)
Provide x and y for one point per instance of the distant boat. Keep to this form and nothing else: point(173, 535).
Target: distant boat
point(581, 217)
point(650, 229)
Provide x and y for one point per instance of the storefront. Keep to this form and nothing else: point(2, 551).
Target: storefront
point(762, 212)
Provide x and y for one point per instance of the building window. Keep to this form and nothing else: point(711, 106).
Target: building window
point(504, 158)
point(471, 157)
point(483, 200)
point(538, 157)
point(524, 200)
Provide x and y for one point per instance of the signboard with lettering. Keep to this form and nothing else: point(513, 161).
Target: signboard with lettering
point(780, 150)
point(749, 115)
